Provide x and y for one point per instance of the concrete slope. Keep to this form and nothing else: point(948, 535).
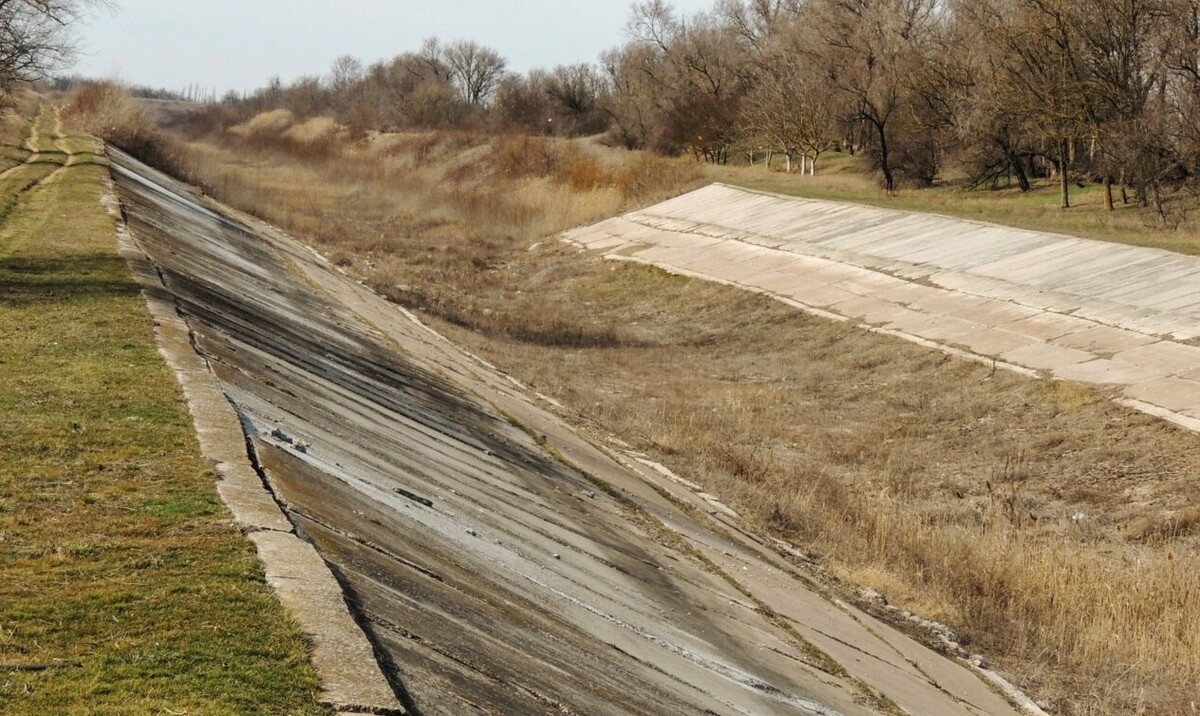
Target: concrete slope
point(499, 561)
point(1046, 304)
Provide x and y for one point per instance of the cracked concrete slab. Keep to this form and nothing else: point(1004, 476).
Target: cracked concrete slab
point(349, 674)
point(498, 560)
point(1060, 306)
point(351, 678)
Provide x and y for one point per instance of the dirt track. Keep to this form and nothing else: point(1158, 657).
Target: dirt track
point(499, 561)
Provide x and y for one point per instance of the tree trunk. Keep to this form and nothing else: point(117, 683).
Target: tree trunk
point(1064, 183)
point(1108, 197)
point(787, 164)
point(1124, 188)
point(1018, 168)
point(889, 180)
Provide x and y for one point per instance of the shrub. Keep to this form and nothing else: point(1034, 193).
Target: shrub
point(107, 110)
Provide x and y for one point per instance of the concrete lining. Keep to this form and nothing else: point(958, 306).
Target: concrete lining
point(351, 680)
point(1039, 303)
point(500, 560)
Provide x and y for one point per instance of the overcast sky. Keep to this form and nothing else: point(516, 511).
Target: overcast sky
point(239, 44)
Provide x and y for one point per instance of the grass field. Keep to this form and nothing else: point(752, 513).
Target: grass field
point(124, 586)
point(1054, 530)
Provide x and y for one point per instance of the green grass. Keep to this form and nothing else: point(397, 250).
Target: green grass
point(843, 178)
point(124, 586)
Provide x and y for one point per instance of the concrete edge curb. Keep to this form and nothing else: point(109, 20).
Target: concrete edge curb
point(352, 681)
point(1183, 421)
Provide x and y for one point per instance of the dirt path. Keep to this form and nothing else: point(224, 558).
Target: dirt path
point(500, 561)
point(50, 153)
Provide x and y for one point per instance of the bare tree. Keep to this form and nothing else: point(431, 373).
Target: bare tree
point(1041, 74)
point(575, 93)
point(682, 78)
point(873, 52)
point(1182, 85)
point(756, 21)
point(1125, 63)
point(522, 103)
point(631, 73)
point(345, 72)
point(35, 37)
point(476, 70)
point(792, 105)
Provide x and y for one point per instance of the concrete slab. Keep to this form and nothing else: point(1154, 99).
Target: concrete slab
point(872, 311)
point(492, 574)
point(1166, 355)
point(1003, 314)
point(349, 673)
point(1175, 394)
point(995, 341)
point(1047, 326)
point(1101, 339)
point(1109, 372)
point(1076, 309)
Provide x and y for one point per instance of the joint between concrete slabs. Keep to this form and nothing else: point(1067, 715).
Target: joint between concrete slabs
point(352, 681)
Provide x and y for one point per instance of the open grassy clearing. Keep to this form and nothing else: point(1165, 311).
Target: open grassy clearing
point(124, 586)
point(1054, 530)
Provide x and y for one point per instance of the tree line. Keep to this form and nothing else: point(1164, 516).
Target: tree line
point(1009, 91)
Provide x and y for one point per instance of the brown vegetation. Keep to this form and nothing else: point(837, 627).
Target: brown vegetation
point(451, 206)
point(105, 110)
point(978, 93)
point(1054, 530)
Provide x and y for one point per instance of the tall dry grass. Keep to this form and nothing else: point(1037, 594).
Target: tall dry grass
point(15, 122)
point(1056, 532)
point(106, 110)
point(422, 212)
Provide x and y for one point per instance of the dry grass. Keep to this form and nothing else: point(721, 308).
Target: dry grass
point(15, 123)
point(276, 121)
point(1055, 530)
point(1011, 509)
point(105, 110)
point(422, 212)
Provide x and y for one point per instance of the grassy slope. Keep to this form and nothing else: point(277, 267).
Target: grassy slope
point(120, 570)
